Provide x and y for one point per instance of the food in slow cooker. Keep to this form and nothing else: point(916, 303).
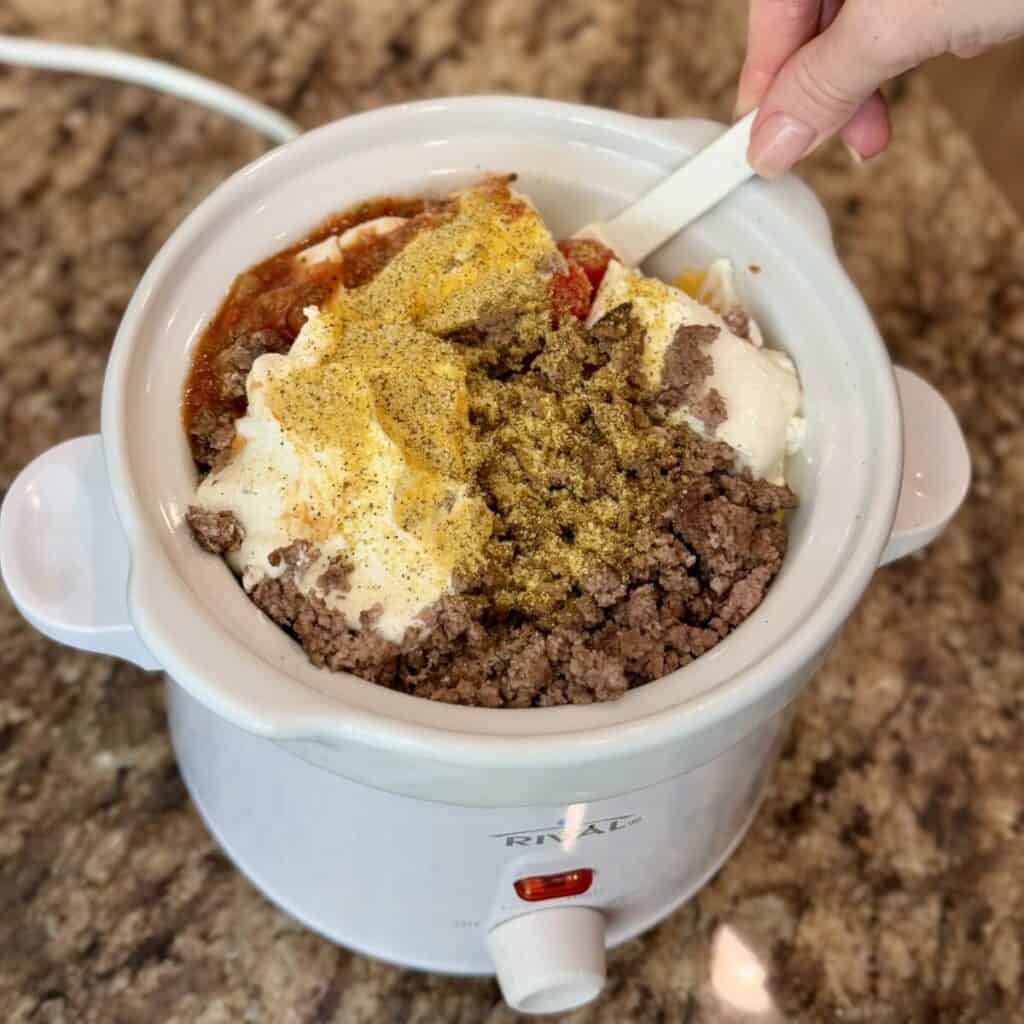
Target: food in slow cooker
point(459, 459)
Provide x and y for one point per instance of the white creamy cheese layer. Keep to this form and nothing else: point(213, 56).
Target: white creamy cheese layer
point(317, 458)
point(332, 248)
point(274, 482)
point(760, 386)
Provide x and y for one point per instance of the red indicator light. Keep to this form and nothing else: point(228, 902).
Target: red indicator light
point(552, 887)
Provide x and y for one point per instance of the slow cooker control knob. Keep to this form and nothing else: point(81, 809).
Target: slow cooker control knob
point(550, 960)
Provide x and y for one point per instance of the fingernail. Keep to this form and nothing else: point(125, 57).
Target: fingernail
point(857, 159)
point(778, 143)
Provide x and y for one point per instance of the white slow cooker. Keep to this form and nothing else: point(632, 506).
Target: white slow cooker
point(469, 840)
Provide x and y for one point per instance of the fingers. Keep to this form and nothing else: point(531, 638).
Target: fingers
point(830, 83)
point(972, 29)
point(826, 83)
point(869, 130)
point(778, 28)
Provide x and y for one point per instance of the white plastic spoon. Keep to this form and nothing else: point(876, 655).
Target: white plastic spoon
point(702, 182)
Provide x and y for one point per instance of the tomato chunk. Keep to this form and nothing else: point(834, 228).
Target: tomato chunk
point(591, 256)
point(571, 292)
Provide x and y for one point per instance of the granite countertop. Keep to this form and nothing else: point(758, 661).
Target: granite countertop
point(884, 877)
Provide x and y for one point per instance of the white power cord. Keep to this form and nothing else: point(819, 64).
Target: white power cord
point(155, 74)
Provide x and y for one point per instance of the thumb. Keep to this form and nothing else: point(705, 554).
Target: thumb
point(823, 85)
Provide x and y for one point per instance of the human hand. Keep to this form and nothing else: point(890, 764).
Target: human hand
point(814, 66)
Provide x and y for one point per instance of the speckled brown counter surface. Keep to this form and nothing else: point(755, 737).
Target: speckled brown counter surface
point(883, 879)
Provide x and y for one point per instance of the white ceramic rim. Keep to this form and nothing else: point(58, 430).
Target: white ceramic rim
point(181, 635)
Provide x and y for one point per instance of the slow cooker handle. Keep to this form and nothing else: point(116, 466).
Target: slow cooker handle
point(63, 555)
point(936, 467)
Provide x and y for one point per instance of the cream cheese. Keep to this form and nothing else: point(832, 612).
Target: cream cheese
point(760, 386)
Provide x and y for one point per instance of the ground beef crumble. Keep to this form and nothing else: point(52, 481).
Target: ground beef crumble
point(687, 364)
point(217, 532)
point(335, 578)
point(234, 362)
point(702, 547)
point(711, 410)
point(738, 321)
point(211, 435)
point(325, 634)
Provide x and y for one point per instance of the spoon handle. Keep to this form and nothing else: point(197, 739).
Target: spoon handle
point(701, 183)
